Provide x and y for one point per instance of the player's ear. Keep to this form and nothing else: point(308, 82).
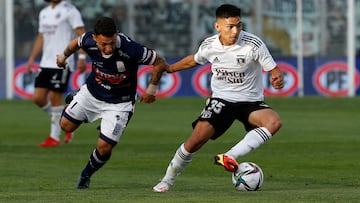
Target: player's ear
point(217, 26)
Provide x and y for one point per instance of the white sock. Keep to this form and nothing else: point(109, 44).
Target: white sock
point(55, 129)
point(252, 140)
point(181, 159)
point(47, 108)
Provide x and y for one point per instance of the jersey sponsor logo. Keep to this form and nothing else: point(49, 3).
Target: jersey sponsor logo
point(110, 77)
point(290, 81)
point(229, 77)
point(169, 83)
point(331, 79)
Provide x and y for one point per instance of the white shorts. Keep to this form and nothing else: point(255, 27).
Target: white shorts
point(114, 117)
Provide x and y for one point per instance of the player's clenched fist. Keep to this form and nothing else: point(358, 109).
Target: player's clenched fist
point(61, 60)
point(277, 78)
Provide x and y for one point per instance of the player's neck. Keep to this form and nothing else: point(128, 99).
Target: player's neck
point(54, 4)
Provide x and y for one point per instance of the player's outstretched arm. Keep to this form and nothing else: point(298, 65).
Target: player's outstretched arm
point(70, 49)
point(185, 63)
point(159, 67)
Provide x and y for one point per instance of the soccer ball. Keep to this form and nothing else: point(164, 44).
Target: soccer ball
point(249, 177)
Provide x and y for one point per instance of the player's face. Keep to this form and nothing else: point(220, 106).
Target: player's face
point(105, 44)
point(229, 29)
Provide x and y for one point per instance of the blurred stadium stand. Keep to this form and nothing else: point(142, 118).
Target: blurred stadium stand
point(166, 24)
point(175, 28)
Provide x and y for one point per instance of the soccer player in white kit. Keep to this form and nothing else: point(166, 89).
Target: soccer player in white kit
point(237, 59)
point(58, 23)
point(109, 93)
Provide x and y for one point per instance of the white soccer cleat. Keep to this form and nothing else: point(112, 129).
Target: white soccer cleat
point(163, 186)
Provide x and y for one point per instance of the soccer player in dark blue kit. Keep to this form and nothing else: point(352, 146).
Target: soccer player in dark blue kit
point(109, 93)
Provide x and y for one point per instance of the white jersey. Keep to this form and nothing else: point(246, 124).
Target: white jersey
point(236, 69)
point(57, 26)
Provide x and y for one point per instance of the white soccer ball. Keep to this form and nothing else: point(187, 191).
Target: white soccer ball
point(249, 177)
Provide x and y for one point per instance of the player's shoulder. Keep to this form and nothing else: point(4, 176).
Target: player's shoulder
point(124, 37)
point(45, 9)
point(207, 42)
point(67, 6)
point(250, 39)
point(124, 41)
point(86, 39)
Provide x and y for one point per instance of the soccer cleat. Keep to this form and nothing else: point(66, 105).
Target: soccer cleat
point(68, 137)
point(228, 163)
point(163, 186)
point(83, 182)
point(50, 142)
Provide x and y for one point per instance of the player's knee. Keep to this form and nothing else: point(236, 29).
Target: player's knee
point(274, 125)
point(40, 101)
point(104, 148)
point(66, 125)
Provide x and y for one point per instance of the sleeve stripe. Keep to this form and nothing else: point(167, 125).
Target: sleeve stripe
point(149, 56)
point(80, 39)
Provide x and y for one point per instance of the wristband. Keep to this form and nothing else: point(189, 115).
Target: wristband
point(152, 89)
point(82, 56)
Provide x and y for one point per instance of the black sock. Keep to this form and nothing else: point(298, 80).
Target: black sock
point(96, 161)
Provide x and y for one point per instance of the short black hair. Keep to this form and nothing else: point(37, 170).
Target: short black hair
point(105, 26)
point(228, 10)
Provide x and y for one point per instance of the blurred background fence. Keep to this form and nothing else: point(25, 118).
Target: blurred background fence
point(315, 42)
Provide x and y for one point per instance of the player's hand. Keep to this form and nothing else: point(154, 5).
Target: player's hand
point(277, 78)
point(277, 81)
point(61, 60)
point(147, 98)
point(29, 65)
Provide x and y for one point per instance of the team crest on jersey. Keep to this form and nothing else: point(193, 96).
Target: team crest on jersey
point(58, 15)
point(240, 60)
point(120, 66)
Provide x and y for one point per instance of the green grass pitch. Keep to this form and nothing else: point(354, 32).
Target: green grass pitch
point(315, 157)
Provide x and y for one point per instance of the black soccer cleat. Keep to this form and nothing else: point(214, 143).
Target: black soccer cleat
point(83, 182)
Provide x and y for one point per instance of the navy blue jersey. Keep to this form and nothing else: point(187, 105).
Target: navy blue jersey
point(114, 79)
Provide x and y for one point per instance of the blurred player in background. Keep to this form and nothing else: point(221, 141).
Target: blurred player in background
point(58, 23)
point(237, 59)
point(110, 90)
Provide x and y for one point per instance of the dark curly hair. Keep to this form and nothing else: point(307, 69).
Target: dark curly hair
point(105, 26)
